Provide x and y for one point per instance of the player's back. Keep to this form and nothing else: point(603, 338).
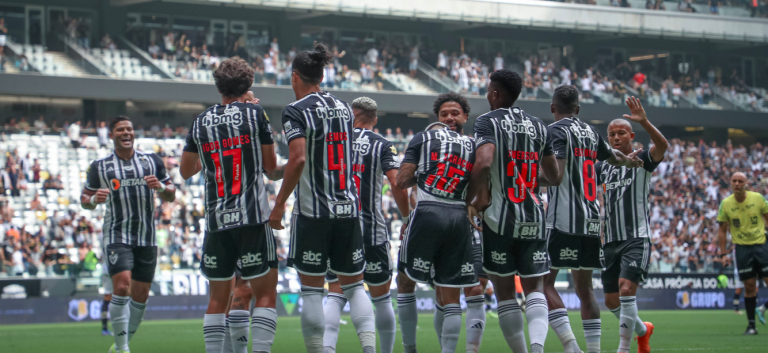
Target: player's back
point(326, 188)
point(228, 139)
point(573, 206)
point(374, 155)
point(521, 142)
point(444, 159)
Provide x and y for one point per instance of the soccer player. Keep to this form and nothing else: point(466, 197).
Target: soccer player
point(573, 215)
point(452, 110)
point(374, 158)
point(745, 214)
point(513, 149)
point(231, 143)
point(325, 229)
point(627, 237)
point(126, 181)
point(438, 245)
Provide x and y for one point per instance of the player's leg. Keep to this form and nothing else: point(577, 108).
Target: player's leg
point(347, 261)
point(511, 319)
point(746, 261)
point(309, 256)
point(750, 302)
point(532, 265)
point(145, 262)
point(610, 279)
point(452, 321)
point(415, 262)
point(334, 304)
point(559, 244)
point(258, 259)
point(475, 321)
point(591, 258)
point(378, 276)
point(104, 315)
point(238, 314)
point(761, 257)
point(218, 266)
point(406, 309)
point(439, 316)
point(120, 264)
point(227, 334)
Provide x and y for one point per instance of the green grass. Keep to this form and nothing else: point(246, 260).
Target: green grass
point(708, 331)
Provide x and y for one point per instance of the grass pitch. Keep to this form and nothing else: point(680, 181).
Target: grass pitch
point(676, 331)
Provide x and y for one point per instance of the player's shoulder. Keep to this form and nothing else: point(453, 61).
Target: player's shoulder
point(493, 114)
point(728, 200)
point(148, 155)
point(535, 120)
point(101, 160)
point(305, 102)
point(370, 135)
point(756, 195)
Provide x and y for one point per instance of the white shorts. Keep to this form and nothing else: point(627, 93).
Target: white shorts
point(106, 280)
point(2, 40)
point(736, 281)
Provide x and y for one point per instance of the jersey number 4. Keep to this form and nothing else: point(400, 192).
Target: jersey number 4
point(237, 170)
point(336, 162)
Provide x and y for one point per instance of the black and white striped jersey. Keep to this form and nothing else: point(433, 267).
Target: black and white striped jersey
point(374, 155)
point(444, 160)
point(326, 188)
point(573, 207)
point(129, 218)
point(228, 140)
point(521, 142)
point(625, 192)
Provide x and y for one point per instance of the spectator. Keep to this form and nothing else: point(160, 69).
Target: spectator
point(269, 69)
point(372, 57)
point(40, 125)
point(498, 62)
point(102, 133)
point(413, 65)
point(366, 75)
point(442, 62)
point(3, 36)
point(677, 92)
point(565, 76)
point(73, 131)
point(274, 48)
point(329, 76)
point(586, 86)
point(639, 79)
point(84, 33)
point(154, 50)
point(36, 169)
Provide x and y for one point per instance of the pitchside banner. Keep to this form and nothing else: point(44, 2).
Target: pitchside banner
point(186, 297)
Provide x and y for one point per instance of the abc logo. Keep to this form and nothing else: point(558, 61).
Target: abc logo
point(373, 267)
point(568, 253)
point(357, 255)
point(498, 257)
point(250, 259)
point(419, 263)
point(539, 256)
point(467, 268)
point(311, 257)
point(210, 261)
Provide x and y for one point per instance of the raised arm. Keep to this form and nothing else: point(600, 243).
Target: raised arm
point(637, 114)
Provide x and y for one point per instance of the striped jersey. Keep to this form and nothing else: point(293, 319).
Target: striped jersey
point(573, 206)
point(374, 156)
point(131, 203)
point(326, 188)
point(444, 160)
point(521, 141)
point(625, 192)
point(228, 140)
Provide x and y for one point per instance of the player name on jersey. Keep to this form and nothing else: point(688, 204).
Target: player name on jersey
point(444, 159)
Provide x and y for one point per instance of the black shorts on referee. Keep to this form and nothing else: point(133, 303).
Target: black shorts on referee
point(253, 246)
point(626, 259)
point(752, 261)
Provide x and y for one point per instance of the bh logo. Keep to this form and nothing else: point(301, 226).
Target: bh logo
point(421, 265)
point(499, 258)
point(209, 261)
point(311, 258)
point(568, 254)
point(343, 209)
point(250, 259)
point(467, 269)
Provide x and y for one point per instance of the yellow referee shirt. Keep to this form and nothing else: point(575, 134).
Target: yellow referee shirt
point(745, 218)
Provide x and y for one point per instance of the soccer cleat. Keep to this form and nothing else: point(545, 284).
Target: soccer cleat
point(750, 331)
point(643, 346)
point(343, 322)
point(106, 332)
point(760, 314)
point(112, 349)
point(409, 349)
point(738, 312)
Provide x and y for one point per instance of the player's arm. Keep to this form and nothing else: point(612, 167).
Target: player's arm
point(722, 231)
point(268, 156)
point(190, 158)
point(406, 176)
point(291, 176)
point(277, 173)
point(161, 181)
point(478, 192)
point(399, 194)
point(616, 158)
point(93, 194)
point(552, 169)
point(638, 115)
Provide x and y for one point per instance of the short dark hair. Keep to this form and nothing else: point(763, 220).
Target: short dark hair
point(509, 81)
point(565, 99)
point(450, 97)
point(116, 120)
point(366, 106)
point(309, 64)
point(233, 77)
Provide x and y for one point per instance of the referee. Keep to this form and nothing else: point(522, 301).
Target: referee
point(627, 241)
point(744, 213)
point(126, 182)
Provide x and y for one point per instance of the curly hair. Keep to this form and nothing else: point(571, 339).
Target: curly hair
point(510, 81)
point(566, 99)
point(309, 64)
point(233, 77)
point(450, 97)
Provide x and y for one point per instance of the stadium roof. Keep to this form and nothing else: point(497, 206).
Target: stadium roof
point(529, 13)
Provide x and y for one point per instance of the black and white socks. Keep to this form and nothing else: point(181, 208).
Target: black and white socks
point(437, 321)
point(214, 332)
point(137, 315)
point(558, 320)
point(238, 322)
point(512, 325)
point(104, 314)
point(536, 312)
point(263, 328)
point(475, 322)
point(592, 330)
point(120, 312)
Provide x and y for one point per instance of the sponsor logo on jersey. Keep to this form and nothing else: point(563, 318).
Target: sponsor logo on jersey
point(373, 267)
point(312, 258)
point(523, 127)
point(144, 163)
point(421, 265)
point(113, 258)
point(229, 217)
point(361, 145)
point(341, 208)
point(209, 261)
point(447, 136)
point(250, 260)
point(287, 126)
point(499, 258)
point(232, 116)
point(467, 269)
point(528, 230)
point(539, 257)
point(122, 183)
point(357, 256)
point(583, 132)
point(568, 254)
point(128, 168)
point(340, 112)
point(394, 150)
point(593, 227)
point(618, 184)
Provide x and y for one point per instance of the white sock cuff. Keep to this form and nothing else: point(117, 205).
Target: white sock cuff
point(265, 318)
point(238, 318)
point(508, 307)
point(119, 300)
point(406, 298)
point(558, 316)
point(214, 319)
point(352, 286)
point(535, 299)
point(339, 299)
point(386, 298)
point(592, 327)
point(307, 290)
point(628, 300)
point(452, 309)
point(476, 300)
point(439, 308)
point(137, 305)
